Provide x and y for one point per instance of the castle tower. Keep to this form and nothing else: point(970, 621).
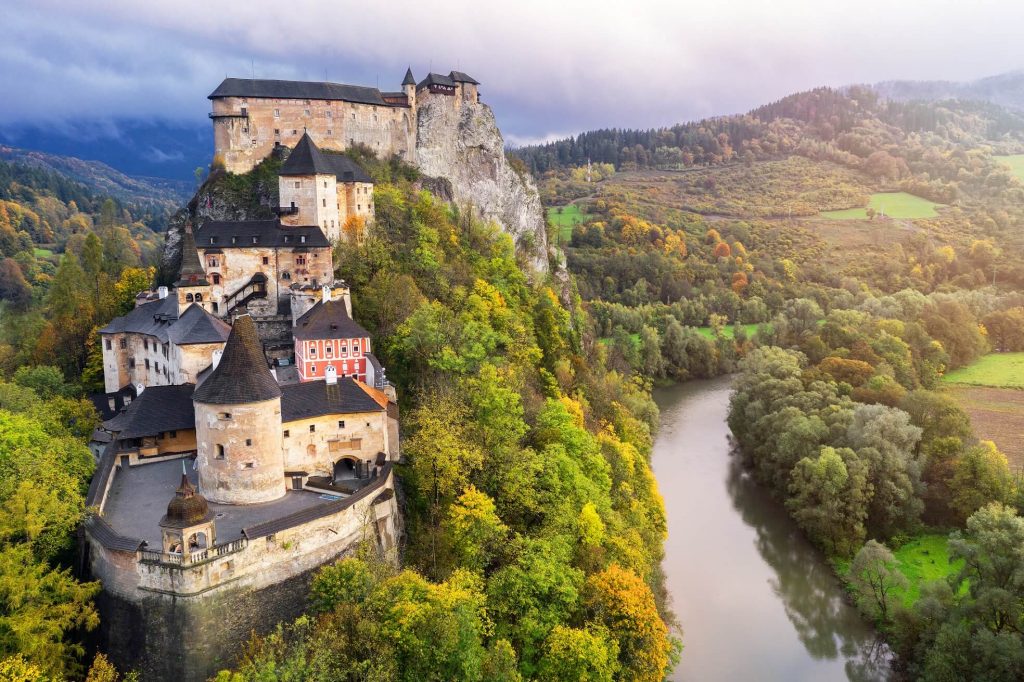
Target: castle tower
point(238, 424)
point(192, 286)
point(188, 525)
point(409, 88)
point(308, 189)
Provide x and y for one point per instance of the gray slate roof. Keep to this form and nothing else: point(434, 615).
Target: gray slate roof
point(317, 398)
point(308, 159)
point(408, 80)
point(436, 79)
point(160, 319)
point(191, 272)
point(158, 409)
point(460, 77)
point(238, 234)
point(242, 375)
point(249, 87)
point(328, 320)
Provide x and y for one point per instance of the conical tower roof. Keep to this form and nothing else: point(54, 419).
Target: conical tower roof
point(242, 376)
point(191, 273)
point(408, 80)
point(306, 159)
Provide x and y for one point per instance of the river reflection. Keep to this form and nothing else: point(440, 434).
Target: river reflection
point(755, 600)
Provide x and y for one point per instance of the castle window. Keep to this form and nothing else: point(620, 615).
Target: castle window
point(312, 428)
point(329, 114)
point(287, 433)
point(341, 423)
point(246, 129)
point(286, 275)
point(325, 200)
point(312, 370)
point(277, 131)
point(325, 187)
point(145, 344)
point(216, 278)
point(329, 131)
point(156, 366)
point(359, 207)
point(305, 112)
point(212, 262)
point(147, 363)
point(172, 434)
point(248, 441)
point(124, 343)
point(107, 343)
point(189, 298)
point(165, 350)
point(332, 223)
point(199, 298)
point(300, 260)
point(250, 465)
point(216, 307)
point(295, 132)
point(266, 260)
point(344, 349)
point(329, 350)
point(277, 114)
point(224, 416)
point(353, 115)
point(131, 362)
point(312, 351)
point(220, 451)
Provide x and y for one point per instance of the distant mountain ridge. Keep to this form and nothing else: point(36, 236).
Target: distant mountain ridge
point(1005, 89)
point(104, 180)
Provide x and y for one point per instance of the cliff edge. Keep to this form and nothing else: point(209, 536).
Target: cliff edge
point(464, 145)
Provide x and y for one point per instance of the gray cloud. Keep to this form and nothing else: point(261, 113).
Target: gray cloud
point(548, 68)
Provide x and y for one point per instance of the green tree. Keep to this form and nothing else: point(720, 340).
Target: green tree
point(875, 580)
point(828, 498)
point(585, 654)
point(475, 528)
point(981, 475)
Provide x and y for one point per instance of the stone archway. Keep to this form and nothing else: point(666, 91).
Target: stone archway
point(197, 541)
point(346, 468)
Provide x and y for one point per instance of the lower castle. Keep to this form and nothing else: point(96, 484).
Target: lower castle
point(231, 466)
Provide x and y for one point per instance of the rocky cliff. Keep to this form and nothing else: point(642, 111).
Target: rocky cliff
point(465, 146)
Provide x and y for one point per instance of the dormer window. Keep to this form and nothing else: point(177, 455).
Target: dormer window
point(302, 238)
point(213, 240)
point(255, 239)
point(234, 240)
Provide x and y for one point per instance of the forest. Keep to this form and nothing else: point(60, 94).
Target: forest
point(716, 248)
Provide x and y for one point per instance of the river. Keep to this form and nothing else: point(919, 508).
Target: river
point(754, 599)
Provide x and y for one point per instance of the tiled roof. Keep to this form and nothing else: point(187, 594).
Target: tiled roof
point(328, 320)
point(250, 87)
point(242, 376)
point(239, 234)
point(308, 159)
point(198, 326)
point(436, 79)
point(156, 410)
point(108, 537)
point(408, 80)
point(317, 398)
point(377, 394)
point(460, 77)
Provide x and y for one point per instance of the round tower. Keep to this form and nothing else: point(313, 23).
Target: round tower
point(409, 88)
point(238, 424)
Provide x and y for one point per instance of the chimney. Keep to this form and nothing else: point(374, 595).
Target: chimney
point(139, 388)
point(161, 292)
point(217, 355)
point(331, 375)
point(326, 295)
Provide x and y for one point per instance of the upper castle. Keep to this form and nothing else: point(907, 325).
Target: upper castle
point(252, 116)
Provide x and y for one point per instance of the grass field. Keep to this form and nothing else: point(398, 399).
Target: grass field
point(728, 331)
point(924, 559)
point(893, 204)
point(565, 220)
point(997, 414)
point(1016, 164)
point(43, 253)
point(998, 370)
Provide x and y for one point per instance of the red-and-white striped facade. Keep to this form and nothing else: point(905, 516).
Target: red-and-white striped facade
point(348, 357)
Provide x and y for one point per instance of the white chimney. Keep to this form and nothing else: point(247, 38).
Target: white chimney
point(139, 388)
point(326, 293)
point(215, 358)
point(331, 375)
point(161, 292)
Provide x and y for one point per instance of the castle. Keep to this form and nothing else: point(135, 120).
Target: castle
point(253, 116)
point(245, 457)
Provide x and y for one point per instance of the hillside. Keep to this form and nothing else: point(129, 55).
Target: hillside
point(101, 179)
point(1005, 89)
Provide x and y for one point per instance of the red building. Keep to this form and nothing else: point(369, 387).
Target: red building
point(326, 336)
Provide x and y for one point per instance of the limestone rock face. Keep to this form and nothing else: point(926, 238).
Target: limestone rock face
point(464, 145)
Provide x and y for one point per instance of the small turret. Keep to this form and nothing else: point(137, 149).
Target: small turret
point(409, 87)
point(188, 525)
point(192, 285)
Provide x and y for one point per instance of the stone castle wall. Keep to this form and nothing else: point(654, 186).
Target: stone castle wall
point(175, 622)
point(365, 434)
point(243, 141)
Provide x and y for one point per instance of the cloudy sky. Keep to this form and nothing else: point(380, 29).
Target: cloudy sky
point(548, 67)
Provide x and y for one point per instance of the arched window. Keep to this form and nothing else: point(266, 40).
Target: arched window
point(220, 451)
point(188, 298)
point(199, 298)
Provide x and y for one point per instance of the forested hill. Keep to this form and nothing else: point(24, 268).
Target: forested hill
point(101, 179)
point(1005, 89)
point(846, 126)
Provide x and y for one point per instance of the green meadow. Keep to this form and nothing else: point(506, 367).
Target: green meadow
point(998, 370)
point(1016, 164)
point(892, 204)
point(728, 331)
point(564, 218)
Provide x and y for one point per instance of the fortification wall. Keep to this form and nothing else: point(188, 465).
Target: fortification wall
point(243, 141)
point(186, 622)
point(364, 435)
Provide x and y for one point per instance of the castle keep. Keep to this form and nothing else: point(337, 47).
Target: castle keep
point(252, 116)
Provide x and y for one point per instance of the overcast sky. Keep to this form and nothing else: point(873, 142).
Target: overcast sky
point(549, 68)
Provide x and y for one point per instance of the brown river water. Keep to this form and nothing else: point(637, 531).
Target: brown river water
point(754, 599)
